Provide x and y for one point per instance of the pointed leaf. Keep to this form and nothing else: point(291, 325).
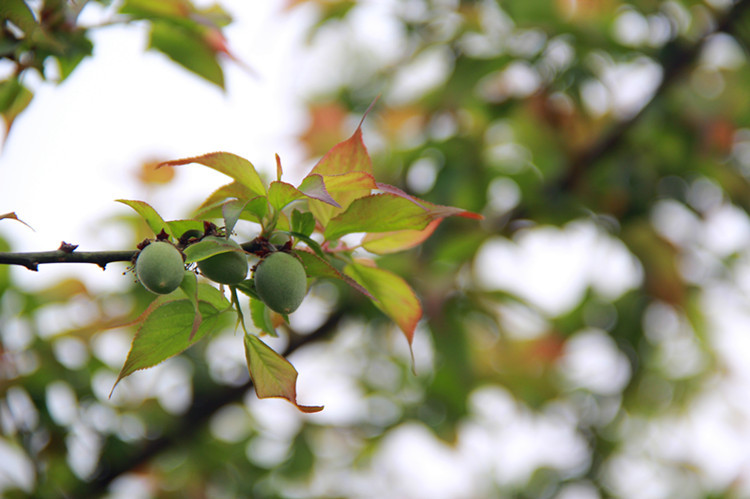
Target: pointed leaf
point(393, 296)
point(12, 216)
point(166, 332)
point(382, 243)
point(272, 374)
point(188, 48)
point(179, 227)
point(232, 210)
point(149, 214)
point(346, 157)
point(281, 194)
point(315, 266)
point(313, 186)
point(378, 213)
point(303, 223)
point(229, 164)
point(208, 248)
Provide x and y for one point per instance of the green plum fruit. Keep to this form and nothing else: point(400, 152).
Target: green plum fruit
point(226, 268)
point(281, 282)
point(160, 268)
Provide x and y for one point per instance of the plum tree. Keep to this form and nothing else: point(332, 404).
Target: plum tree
point(281, 282)
point(160, 267)
point(229, 267)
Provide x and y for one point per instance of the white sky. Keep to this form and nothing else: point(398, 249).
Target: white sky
point(78, 145)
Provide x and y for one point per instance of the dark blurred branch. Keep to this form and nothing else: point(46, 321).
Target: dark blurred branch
point(676, 59)
point(67, 254)
point(32, 260)
point(186, 427)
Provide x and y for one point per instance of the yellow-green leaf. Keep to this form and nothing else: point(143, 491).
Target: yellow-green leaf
point(229, 164)
point(393, 296)
point(272, 374)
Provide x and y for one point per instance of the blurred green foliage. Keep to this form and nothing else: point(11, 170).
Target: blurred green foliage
point(625, 120)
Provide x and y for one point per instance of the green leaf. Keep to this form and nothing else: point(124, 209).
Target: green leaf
point(315, 266)
point(261, 316)
point(229, 164)
point(208, 248)
point(166, 332)
point(189, 286)
point(14, 98)
point(17, 12)
point(379, 213)
point(393, 296)
point(303, 223)
point(387, 212)
point(232, 211)
point(189, 48)
point(272, 374)
point(179, 227)
point(281, 194)
point(149, 214)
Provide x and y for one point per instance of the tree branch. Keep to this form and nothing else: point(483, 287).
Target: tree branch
point(67, 254)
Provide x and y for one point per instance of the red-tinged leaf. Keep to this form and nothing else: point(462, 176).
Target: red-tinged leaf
point(393, 296)
point(389, 212)
point(348, 156)
point(149, 214)
point(12, 216)
point(279, 170)
point(439, 210)
point(272, 374)
point(166, 332)
point(316, 266)
point(379, 213)
point(229, 164)
point(313, 186)
point(382, 243)
point(344, 189)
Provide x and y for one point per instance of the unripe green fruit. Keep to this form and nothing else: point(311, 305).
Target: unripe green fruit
point(281, 282)
point(160, 268)
point(226, 268)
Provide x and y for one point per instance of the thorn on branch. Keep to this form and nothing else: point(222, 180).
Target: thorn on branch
point(67, 247)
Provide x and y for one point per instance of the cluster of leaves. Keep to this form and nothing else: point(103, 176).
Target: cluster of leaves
point(34, 33)
point(338, 197)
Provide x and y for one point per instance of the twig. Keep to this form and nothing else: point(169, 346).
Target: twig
point(31, 260)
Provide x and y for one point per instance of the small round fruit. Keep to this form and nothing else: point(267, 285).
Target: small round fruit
point(160, 268)
point(227, 268)
point(281, 282)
